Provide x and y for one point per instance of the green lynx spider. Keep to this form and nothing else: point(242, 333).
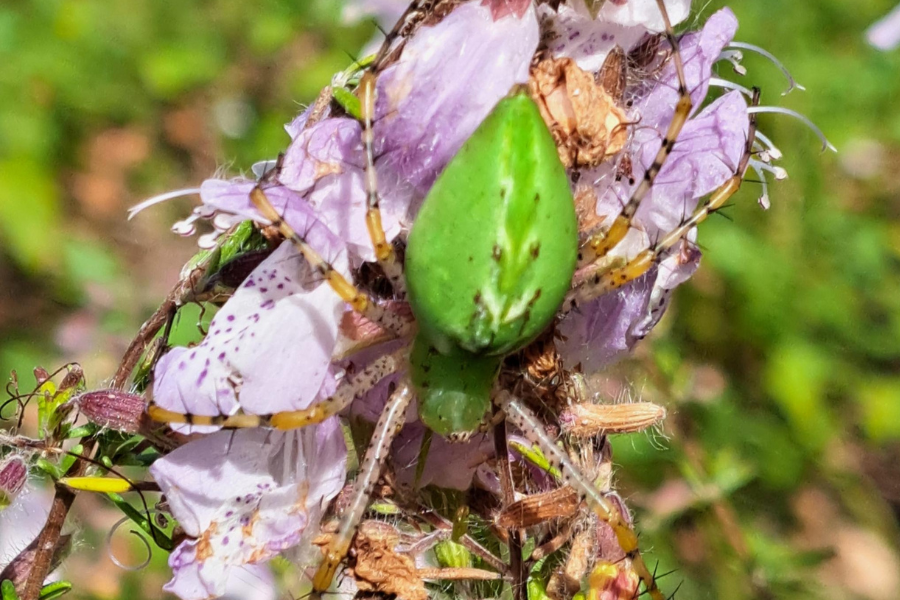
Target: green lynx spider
point(479, 291)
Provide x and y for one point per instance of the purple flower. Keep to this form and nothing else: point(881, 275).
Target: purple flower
point(884, 34)
point(705, 156)
point(268, 349)
point(244, 497)
point(284, 341)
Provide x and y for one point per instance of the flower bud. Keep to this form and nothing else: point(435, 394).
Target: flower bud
point(118, 410)
point(13, 473)
point(41, 375)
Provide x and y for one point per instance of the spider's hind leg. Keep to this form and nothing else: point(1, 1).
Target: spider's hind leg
point(599, 244)
point(389, 423)
point(600, 283)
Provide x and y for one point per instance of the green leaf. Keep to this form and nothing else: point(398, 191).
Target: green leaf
point(56, 589)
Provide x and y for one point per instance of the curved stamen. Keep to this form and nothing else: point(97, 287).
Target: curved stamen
point(160, 198)
point(734, 57)
point(764, 198)
point(730, 85)
point(778, 173)
point(826, 145)
point(766, 54)
point(770, 147)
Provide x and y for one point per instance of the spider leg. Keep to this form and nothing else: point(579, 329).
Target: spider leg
point(392, 418)
point(599, 244)
point(349, 293)
point(384, 250)
point(606, 510)
point(347, 391)
point(602, 282)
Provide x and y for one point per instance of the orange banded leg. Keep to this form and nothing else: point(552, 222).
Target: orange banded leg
point(602, 282)
point(599, 244)
point(346, 392)
point(384, 250)
point(390, 422)
point(522, 417)
point(349, 293)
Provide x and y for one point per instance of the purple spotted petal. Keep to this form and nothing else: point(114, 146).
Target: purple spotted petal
point(448, 79)
point(244, 497)
point(268, 349)
point(326, 162)
point(233, 198)
point(330, 147)
point(574, 34)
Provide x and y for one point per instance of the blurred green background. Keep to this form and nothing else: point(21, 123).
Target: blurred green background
point(776, 475)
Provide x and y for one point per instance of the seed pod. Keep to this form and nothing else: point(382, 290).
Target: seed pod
point(587, 420)
point(537, 508)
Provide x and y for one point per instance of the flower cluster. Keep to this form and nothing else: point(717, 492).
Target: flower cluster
point(284, 341)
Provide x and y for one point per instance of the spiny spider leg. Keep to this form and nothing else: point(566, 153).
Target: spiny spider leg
point(384, 250)
point(351, 388)
point(522, 417)
point(601, 283)
point(349, 293)
point(599, 244)
point(390, 422)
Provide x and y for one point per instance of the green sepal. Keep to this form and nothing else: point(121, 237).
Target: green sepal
point(460, 523)
point(453, 555)
point(8, 590)
point(594, 7)
point(348, 101)
point(385, 508)
point(69, 460)
point(537, 589)
point(454, 391)
point(82, 432)
point(56, 589)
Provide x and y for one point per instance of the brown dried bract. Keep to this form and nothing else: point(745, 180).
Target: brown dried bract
point(380, 568)
point(585, 120)
point(538, 508)
point(588, 420)
point(565, 582)
point(612, 76)
point(586, 208)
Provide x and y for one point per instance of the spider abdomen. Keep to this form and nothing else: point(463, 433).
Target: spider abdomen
point(493, 248)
